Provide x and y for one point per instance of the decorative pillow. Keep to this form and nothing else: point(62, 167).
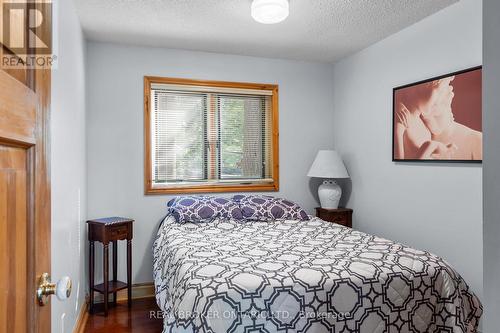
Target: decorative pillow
point(203, 208)
point(268, 208)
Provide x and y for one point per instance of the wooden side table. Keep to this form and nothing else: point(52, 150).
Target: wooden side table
point(106, 230)
point(341, 216)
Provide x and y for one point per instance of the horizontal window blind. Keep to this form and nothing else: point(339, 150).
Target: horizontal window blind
point(244, 140)
point(210, 136)
point(178, 136)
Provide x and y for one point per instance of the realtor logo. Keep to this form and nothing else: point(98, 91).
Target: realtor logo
point(27, 34)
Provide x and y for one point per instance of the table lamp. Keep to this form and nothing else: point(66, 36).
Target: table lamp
point(328, 165)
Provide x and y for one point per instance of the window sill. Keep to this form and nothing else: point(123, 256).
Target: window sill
point(212, 188)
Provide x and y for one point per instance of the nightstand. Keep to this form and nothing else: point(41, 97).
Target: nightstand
point(341, 216)
point(106, 230)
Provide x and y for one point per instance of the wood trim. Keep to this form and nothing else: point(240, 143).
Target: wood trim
point(148, 185)
point(139, 291)
point(40, 80)
point(211, 83)
point(215, 189)
point(276, 154)
point(219, 188)
point(42, 193)
point(83, 316)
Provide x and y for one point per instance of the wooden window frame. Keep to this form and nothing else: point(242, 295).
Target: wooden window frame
point(149, 188)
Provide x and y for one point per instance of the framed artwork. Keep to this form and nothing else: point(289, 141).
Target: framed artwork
point(439, 119)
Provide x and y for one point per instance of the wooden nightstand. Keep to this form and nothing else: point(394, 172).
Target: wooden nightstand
point(341, 216)
point(106, 230)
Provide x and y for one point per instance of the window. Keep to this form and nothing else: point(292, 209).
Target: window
point(212, 136)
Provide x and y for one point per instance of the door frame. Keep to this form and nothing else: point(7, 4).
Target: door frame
point(42, 187)
point(40, 234)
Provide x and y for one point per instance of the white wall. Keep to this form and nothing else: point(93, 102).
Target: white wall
point(491, 179)
point(115, 128)
point(68, 167)
point(437, 207)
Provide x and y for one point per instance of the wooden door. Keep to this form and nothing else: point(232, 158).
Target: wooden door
point(24, 194)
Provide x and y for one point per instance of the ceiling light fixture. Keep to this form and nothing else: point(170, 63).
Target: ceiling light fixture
point(270, 11)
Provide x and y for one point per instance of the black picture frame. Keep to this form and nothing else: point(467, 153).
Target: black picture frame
point(394, 90)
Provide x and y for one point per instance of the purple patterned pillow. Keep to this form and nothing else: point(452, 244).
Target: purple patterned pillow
point(268, 208)
point(195, 208)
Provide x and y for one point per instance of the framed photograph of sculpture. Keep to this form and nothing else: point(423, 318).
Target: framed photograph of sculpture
point(439, 119)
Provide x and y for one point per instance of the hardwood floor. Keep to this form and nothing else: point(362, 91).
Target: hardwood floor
point(121, 319)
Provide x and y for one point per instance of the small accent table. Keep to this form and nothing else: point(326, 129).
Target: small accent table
point(106, 230)
point(342, 216)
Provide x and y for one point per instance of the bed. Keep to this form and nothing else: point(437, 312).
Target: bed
point(302, 276)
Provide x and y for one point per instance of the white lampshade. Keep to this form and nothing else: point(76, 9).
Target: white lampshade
point(328, 164)
point(270, 11)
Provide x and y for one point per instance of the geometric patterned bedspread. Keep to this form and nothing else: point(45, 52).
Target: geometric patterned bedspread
point(303, 276)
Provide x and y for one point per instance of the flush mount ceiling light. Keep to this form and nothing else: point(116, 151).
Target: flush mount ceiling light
point(270, 11)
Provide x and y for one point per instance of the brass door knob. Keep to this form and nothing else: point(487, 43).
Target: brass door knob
point(46, 288)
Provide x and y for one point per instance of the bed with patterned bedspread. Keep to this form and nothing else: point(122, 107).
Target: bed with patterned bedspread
point(303, 276)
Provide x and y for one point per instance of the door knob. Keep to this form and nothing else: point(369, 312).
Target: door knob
point(46, 288)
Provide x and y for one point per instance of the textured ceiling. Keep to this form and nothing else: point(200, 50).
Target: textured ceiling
point(316, 30)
